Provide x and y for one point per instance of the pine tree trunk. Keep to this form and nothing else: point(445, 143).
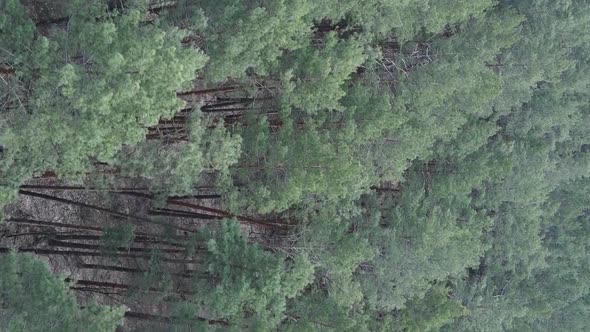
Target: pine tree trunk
point(75, 253)
point(76, 245)
point(102, 209)
point(98, 284)
point(136, 239)
point(207, 91)
point(118, 190)
point(113, 268)
point(164, 319)
point(6, 70)
point(141, 235)
point(53, 224)
point(183, 214)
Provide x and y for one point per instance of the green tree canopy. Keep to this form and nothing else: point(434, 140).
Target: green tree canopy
point(33, 299)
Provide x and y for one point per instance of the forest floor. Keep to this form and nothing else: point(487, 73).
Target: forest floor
point(64, 220)
point(45, 10)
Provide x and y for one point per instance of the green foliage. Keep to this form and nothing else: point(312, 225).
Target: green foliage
point(317, 312)
point(430, 313)
point(405, 18)
point(173, 169)
point(251, 35)
point(245, 284)
point(313, 79)
point(297, 164)
point(120, 236)
point(155, 283)
point(21, 48)
point(429, 159)
point(427, 236)
point(33, 299)
point(112, 78)
point(337, 254)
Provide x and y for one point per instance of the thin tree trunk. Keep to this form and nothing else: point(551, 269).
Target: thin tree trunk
point(169, 320)
point(102, 209)
point(222, 110)
point(28, 234)
point(7, 71)
point(136, 239)
point(73, 226)
point(97, 291)
point(81, 188)
point(151, 196)
point(98, 284)
point(105, 284)
point(170, 201)
point(120, 189)
point(226, 214)
point(296, 318)
point(112, 285)
point(76, 245)
point(113, 268)
point(53, 224)
point(93, 254)
point(384, 189)
point(183, 214)
point(206, 91)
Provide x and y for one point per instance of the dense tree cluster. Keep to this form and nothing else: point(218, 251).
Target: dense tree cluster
point(311, 165)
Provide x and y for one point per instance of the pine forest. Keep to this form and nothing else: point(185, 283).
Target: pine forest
point(294, 165)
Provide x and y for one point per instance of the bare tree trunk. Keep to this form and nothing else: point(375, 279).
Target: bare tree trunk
point(117, 190)
point(169, 320)
point(53, 224)
point(113, 268)
point(183, 214)
point(207, 91)
point(136, 239)
point(95, 254)
point(76, 245)
point(141, 235)
point(98, 284)
point(219, 212)
point(102, 209)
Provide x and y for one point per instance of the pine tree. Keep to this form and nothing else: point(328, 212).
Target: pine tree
point(33, 299)
point(115, 77)
point(247, 286)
